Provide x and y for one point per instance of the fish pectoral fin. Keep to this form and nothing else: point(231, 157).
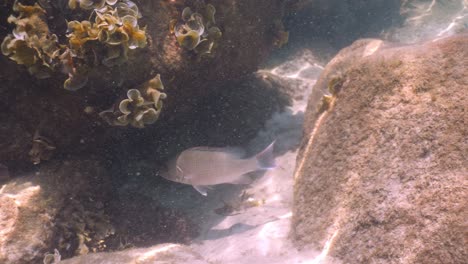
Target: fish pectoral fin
point(202, 189)
point(243, 179)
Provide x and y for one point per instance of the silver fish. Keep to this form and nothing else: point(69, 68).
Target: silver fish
point(202, 167)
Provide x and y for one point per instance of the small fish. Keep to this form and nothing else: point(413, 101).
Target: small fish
point(202, 167)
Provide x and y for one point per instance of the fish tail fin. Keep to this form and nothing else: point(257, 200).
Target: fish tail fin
point(266, 159)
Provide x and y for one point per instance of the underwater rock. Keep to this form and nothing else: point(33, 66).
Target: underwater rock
point(380, 174)
point(30, 207)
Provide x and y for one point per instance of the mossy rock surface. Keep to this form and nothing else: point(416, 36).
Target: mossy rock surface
point(380, 173)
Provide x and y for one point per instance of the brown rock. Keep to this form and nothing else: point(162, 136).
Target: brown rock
point(381, 176)
point(30, 204)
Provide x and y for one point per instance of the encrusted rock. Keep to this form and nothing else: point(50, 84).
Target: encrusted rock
point(380, 177)
point(30, 206)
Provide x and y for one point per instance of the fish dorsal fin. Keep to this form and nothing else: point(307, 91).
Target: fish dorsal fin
point(203, 149)
point(202, 189)
point(235, 152)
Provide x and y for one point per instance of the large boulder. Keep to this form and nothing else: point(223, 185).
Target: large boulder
point(381, 171)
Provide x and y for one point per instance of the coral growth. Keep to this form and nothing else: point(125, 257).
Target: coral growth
point(142, 106)
point(197, 31)
point(113, 32)
point(31, 43)
point(90, 4)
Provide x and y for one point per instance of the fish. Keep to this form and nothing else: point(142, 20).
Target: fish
point(203, 167)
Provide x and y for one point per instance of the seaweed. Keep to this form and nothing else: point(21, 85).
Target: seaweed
point(197, 31)
point(141, 107)
point(113, 32)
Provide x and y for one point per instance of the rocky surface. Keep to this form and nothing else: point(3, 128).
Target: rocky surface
point(381, 174)
point(38, 211)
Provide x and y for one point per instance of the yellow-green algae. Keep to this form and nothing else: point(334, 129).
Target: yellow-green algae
point(90, 4)
point(324, 104)
point(31, 43)
point(113, 32)
point(197, 31)
point(335, 84)
point(106, 39)
point(142, 106)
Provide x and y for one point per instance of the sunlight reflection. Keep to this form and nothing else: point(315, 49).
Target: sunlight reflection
point(288, 215)
point(274, 198)
point(456, 20)
point(320, 258)
point(264, 238)
point(24, 196)
point(425, 13)
point(302, 67)
point(310, 141)
point(150, 254)
point(372, 47)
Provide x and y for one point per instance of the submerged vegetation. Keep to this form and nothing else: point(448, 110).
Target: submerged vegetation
point(113, 32)
point(106, 39)
point(197, 30)
point(141, 107)
point(31, 43)
point(334, 86)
